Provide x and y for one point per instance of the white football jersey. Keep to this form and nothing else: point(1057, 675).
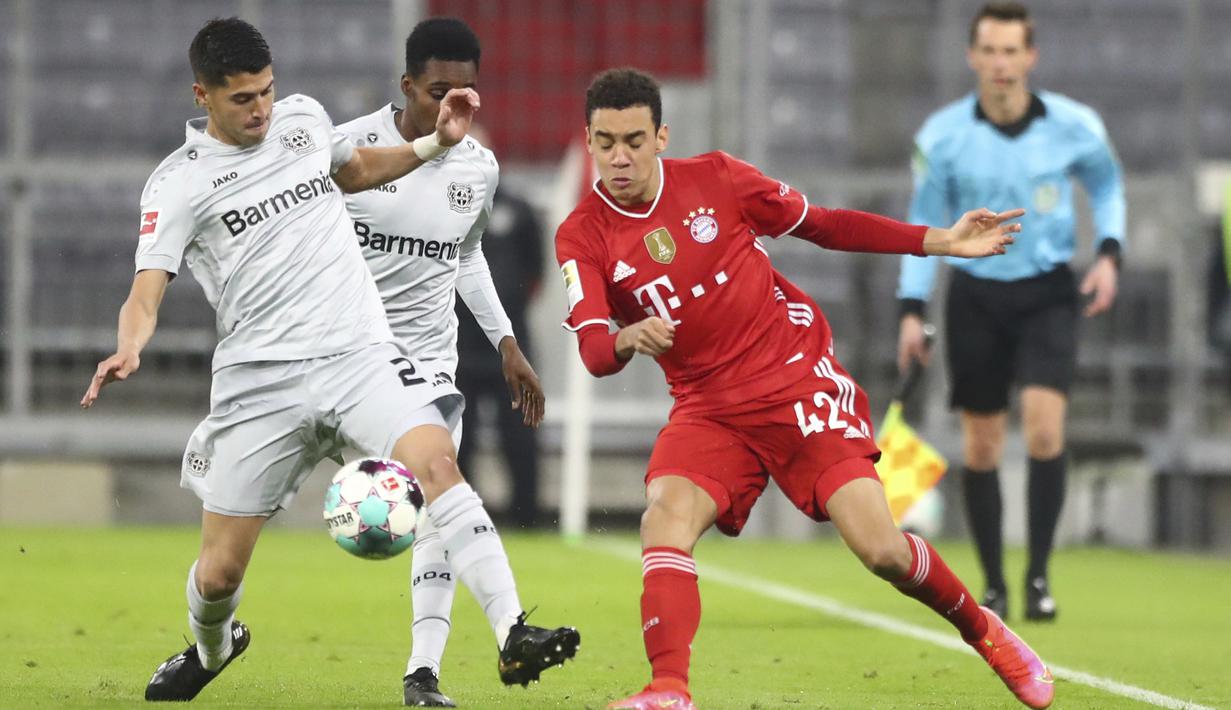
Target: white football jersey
point(421, 237)
point(265, 232)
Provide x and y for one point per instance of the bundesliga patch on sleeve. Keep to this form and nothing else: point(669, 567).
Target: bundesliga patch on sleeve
point(149, 222)
point(572, 283)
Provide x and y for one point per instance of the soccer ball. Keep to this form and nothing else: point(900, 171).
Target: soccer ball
point(372, 507)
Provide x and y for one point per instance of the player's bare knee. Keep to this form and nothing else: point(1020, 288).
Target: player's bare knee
point(670, 522)
point(439, 475)
point(1044, 444)
point(888, 559)
point(219, 579)
point(982, 455)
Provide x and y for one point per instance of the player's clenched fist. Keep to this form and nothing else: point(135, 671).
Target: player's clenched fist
point(652, 336)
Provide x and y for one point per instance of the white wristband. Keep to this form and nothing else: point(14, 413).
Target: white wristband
point(427, 147)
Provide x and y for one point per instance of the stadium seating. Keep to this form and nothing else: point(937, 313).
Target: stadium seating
point(827, 95)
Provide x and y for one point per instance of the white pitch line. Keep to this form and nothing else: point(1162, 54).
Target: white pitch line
point(825, 605)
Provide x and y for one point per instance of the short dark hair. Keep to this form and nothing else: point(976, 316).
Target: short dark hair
point(624, 88)
point(1004, 12)
point(225, 47)
point(445, 38)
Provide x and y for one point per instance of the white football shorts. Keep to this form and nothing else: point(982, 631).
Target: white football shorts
point(271, 423)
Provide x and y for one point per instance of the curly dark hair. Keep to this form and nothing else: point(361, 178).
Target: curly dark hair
point(225, 47)
point(445, 38)
point(625, 88)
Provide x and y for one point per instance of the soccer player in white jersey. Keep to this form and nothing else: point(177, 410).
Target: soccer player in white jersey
point(305, 361)
point(420, 235)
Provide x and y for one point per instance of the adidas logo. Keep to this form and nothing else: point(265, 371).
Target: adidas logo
point(853, 433)
point(622, 271)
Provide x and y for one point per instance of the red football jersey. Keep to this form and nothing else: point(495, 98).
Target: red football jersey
point(691, 258)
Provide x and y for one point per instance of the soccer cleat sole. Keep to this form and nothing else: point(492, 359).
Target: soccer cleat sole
point(562, 646)
point(412, 701)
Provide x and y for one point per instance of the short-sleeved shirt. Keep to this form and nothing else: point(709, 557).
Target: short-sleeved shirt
point(265, 232)
point(416, 231)
point(691, 258)
point(963, 162)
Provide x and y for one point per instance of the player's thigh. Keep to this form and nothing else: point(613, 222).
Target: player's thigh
point(824, 419)
point(379, 393)
point(253, 451)
point(714, 459)
point(979, 347)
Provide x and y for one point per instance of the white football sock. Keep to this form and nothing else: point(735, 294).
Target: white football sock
point(432, 584)
point(476, 554)
point(211, 623)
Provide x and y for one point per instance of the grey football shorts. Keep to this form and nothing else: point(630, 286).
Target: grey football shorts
point(271, 423)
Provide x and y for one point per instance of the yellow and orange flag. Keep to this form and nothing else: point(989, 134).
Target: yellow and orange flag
point(909, 466)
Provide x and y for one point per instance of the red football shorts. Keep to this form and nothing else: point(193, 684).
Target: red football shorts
point(811, 438)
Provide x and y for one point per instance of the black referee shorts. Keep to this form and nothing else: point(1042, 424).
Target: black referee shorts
point(1003, 332)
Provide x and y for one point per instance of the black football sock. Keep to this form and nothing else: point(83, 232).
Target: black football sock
point(1045, 492)
point(983, 512)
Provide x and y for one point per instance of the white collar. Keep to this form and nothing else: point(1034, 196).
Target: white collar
point(662, 180)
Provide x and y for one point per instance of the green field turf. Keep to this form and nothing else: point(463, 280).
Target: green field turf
point(85, 616)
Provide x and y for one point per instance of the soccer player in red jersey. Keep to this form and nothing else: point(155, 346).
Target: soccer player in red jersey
point(667, 249)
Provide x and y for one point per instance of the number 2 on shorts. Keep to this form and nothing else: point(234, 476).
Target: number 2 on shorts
point(407, 374)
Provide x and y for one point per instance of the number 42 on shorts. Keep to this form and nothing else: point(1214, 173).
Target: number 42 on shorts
point(831, 410)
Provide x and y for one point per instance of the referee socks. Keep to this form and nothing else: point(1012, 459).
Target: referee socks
point(1045, 492)
point(983, 513)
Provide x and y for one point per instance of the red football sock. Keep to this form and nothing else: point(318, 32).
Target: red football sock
point(932, 582)
point(670, 610)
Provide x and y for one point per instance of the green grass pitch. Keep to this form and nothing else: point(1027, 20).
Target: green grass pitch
point(86, 615)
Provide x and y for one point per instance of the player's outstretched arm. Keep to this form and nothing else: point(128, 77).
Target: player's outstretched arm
point(978, 233)
point(138, 318)
point(372, 167)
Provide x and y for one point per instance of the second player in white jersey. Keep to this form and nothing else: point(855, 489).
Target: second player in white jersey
point(422, 238)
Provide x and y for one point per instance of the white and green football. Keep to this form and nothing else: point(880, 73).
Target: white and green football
point(372, 507)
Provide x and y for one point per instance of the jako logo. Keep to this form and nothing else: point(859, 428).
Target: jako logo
point(219, 182)
point(237, 221)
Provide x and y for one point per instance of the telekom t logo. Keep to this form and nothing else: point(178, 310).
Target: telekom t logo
point(661, 305)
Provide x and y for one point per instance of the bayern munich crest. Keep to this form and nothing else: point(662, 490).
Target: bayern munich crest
point(702, 225)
